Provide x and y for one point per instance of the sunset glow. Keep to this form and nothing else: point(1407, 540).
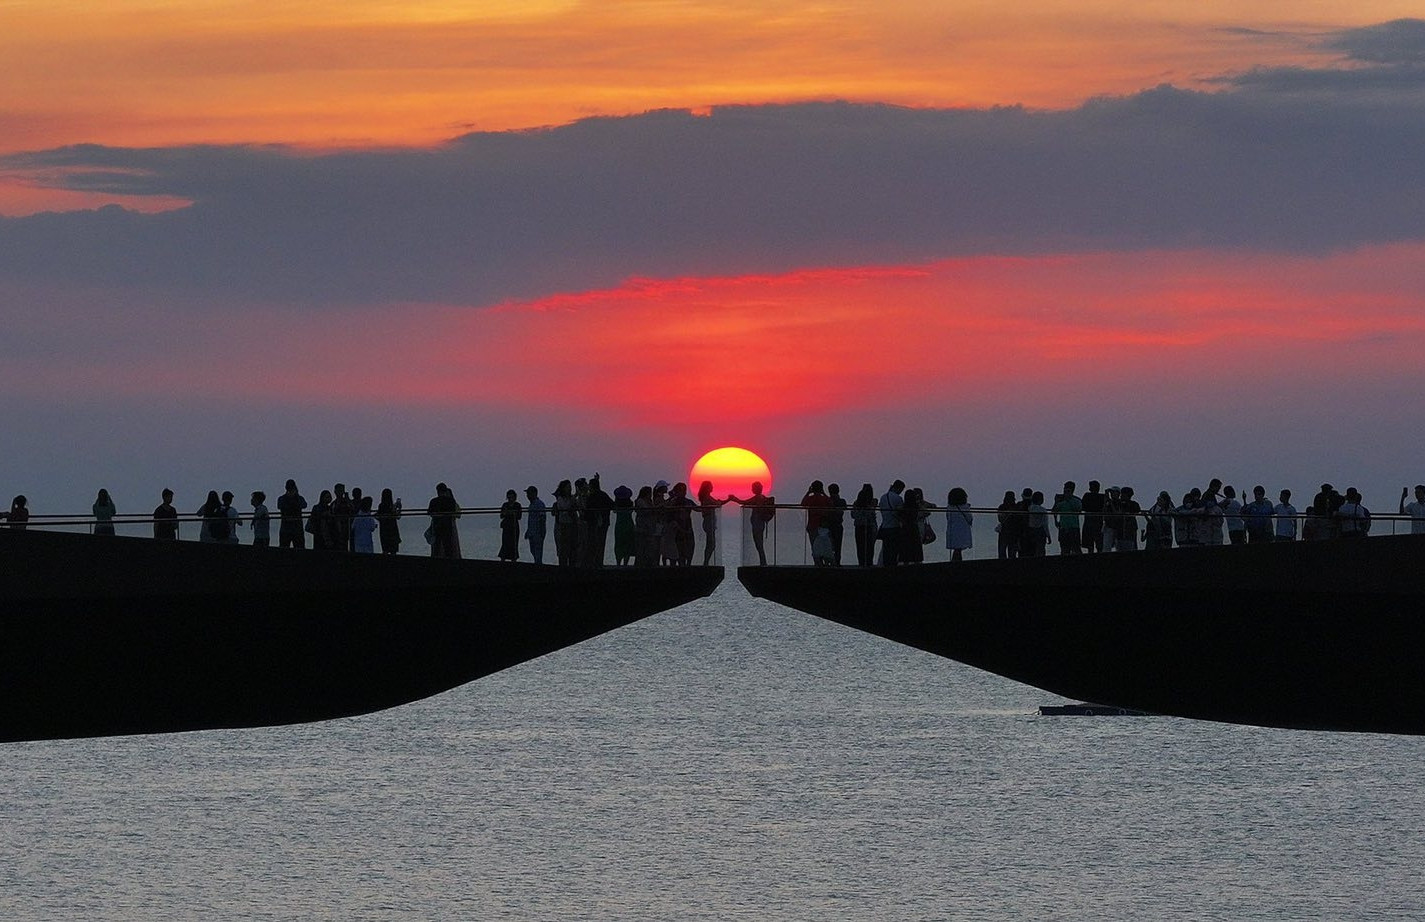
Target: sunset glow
point(732, 472)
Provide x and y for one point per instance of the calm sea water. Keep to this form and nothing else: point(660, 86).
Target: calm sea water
point(731, 759)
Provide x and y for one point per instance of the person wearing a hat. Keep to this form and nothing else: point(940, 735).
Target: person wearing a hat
point(535, 525)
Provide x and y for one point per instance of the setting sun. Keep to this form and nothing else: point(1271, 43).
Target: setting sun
point(732, 472)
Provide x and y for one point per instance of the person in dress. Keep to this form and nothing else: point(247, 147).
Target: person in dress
point(388, 515)
point(566, 525)
point(444, 510)
point(363, 528)
point(625, 531)
point(709, 506)
point(104, 513)
point(510, 514)
point(959, 523)
point(536, 524)
point(215, 520)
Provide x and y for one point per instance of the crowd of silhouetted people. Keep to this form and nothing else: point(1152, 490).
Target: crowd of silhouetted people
point(654, 528)
point(658, 526)
point(899, 521)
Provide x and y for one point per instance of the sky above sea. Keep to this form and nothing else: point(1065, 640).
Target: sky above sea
point(505, 243)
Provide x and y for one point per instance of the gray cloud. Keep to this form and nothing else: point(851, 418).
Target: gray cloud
point(1400, 41)
point(750, 189)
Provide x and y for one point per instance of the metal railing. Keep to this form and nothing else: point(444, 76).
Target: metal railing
point(478, 529)
point(786, 541)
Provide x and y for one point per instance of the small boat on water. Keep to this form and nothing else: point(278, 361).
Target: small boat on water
point(102, 636)
point(1325, 635)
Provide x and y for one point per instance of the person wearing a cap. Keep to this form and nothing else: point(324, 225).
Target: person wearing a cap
point(535, 523)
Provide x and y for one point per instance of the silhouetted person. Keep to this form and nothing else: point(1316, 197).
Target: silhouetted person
point(581, 531)
point(1009, 525)
point(1186, 519)
point(320, 525)
point(388, 520)
point(1128, 512)
point(215, 520)
point(681, 507)
point(1353, 516)
point(1285, 514)
point(1037, 530)
point(1232, 515)
point(234, 520)
point(104, 513)
point(1415, 510)
point(165, 519)
point(1257, 516)
point(816, 503)
point(1111, 519)
point(536, 524)
point(915, 526)
point(1093, 503)
point(289, 507)
point(625, 532)
point(566, 525)
point(598, 509)
point(1211, 518)
point(511, 512)
point(959, 523)
point(363, 527)
point(762, 510)
point(709, 506)
point(443, 511)
point(835, 518)
point(19, 515)
point(356, 498)
point(863, 521)
point(890, 506)
point(1026, 546)
point(645, 529)
point(1158, 531)
point(343, 511)
point(1066, 519)
point(261, 520)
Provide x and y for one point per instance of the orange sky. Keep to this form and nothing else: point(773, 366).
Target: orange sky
point(155, 72)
